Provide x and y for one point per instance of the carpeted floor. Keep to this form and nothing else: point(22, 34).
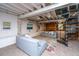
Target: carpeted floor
point(58, 49)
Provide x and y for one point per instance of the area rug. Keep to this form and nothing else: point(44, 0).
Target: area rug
point(51, 48)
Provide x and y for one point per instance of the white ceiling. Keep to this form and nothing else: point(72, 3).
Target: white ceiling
point(21, 8)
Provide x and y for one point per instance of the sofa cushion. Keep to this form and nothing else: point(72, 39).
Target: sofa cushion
point(28, 36)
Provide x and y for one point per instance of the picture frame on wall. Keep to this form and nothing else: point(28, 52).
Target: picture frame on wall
point(6, 25)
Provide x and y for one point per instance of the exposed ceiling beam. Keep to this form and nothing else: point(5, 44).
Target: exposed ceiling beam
point(26, 6)
point(14, 8)
point(8, 11)
point(42, 10)
point(6, 6)
point(21, 7)
point(35, 5)
point(17, 7)
point(44, 18)
point(48, 21)
point(43, 5)
point(53, 14)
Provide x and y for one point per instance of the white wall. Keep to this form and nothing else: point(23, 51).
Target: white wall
point(34, 32)
point(7, 37)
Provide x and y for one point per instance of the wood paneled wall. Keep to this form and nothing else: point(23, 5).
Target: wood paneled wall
point(51, 26)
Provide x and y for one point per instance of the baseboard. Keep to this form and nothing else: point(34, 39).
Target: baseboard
point(7, 41)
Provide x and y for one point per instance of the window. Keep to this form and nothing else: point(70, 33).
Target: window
point(64, 10)
point(73, 8)
point(29, 26)
point(58, 11)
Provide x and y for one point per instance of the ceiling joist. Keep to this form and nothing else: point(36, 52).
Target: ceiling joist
point(26, 6)
point(42, 10)
point(35, 6)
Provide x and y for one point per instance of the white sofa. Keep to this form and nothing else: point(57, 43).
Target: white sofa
point(31, 46)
